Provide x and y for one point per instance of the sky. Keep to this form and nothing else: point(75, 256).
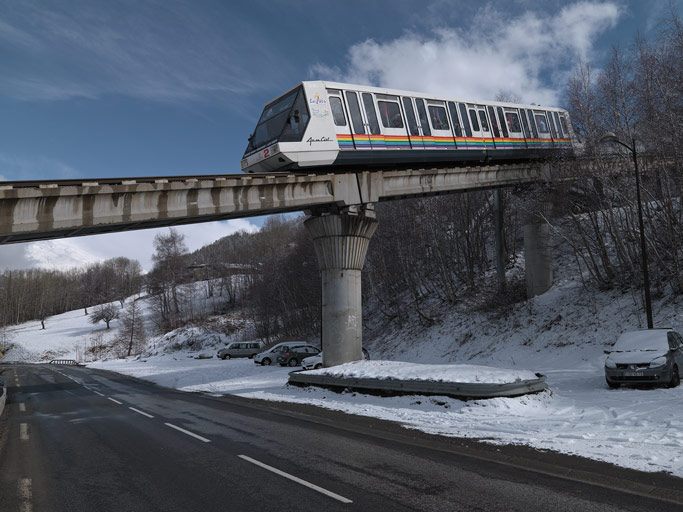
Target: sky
point(105, 88)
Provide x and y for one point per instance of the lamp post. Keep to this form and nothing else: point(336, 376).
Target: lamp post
point(611, 137)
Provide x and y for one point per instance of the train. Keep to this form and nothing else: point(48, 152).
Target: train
point(323, 126)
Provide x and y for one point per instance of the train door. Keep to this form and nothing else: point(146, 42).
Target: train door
point(543, 128)
point(514, 125)
point(341, 126)
point(393, 126)
point(371, 122)
point(361, 138)
point(423, 122)
point(485, 125)
point(413, 128)
point(440, 126)
point(478, 133)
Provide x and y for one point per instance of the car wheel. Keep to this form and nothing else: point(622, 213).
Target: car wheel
point(251, 356)
point(227, 356)
point(266, 362)
point(293, 362)
point(318, 366)
point(613, 385)
point(675, 378)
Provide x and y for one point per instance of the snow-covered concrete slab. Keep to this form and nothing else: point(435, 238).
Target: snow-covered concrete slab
point(404, 378)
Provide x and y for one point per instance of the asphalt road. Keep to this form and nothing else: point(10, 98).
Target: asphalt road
point(75, 439)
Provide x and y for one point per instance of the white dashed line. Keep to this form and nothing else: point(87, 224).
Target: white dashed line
point(22, 407)
point(25, 495)
point(196, 436)
point(23, 431)
point(141, 412)
point(97, 392)
point(114, 400)
point(296, 479)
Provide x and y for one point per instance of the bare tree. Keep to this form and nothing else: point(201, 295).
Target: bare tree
point(104, 313)
point(132, 330)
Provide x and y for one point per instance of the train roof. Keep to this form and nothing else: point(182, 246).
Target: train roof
point(417, 94)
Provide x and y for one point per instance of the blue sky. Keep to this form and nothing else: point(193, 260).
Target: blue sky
point(111, 88)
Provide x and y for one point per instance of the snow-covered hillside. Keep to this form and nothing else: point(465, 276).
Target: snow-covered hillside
point(562, 334)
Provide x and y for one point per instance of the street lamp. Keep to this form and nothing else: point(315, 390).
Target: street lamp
point(611, 137)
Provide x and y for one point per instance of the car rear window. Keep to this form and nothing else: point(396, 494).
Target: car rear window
point(642, 340)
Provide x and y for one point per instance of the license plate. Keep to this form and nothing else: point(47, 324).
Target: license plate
point(634, 374)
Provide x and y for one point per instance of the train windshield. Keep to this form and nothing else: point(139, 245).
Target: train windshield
point(284, 119)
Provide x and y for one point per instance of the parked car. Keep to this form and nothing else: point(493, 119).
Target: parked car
point(241, 349)
point(316, 361)
point(268, 357)
point(293, 355)
point(652, 356)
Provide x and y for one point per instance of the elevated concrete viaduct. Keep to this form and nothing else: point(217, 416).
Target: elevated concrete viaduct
point(340, 207)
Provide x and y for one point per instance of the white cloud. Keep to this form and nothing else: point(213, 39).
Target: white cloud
point(527, 56)
point(74, 252)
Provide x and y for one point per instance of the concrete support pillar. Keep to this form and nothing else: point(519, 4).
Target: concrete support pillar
point(341, 243)
point(498, 213)
point(538, 260)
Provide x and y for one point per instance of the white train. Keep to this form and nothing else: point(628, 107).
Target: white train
point(326, 124)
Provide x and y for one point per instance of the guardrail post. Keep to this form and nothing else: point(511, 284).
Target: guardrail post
point(341, 242)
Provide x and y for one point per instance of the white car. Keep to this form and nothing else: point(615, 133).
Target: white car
point(316, 361)
point(268, 357)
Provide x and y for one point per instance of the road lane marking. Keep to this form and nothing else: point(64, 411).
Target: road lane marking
point(25, 495)
point(141, 412)
point(70, 392)
point(22, 407)
point(296, 479)
point(114, 400)
point(23, 431)
point(97, 392)
point(196, 436)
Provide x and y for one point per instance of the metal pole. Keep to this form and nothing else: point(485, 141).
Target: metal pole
point(499, 238)
point(643, 246)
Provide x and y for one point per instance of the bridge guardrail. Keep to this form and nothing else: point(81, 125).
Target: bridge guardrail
point(460, 390)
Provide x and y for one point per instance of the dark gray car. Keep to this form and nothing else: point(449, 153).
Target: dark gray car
point(652, 356)
point(240, 349)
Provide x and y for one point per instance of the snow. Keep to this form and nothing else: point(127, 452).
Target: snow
point(656, 341)
point(400, 370)
point(561, 334)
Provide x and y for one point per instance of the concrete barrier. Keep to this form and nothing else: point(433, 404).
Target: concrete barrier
point(460, 390)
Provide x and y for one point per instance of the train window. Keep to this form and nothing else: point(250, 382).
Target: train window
point(410, 116)
point(494, 123)
point(532, 125)
point(465, 120)
point(439, 118)
point(473, 120)
point(297, 120)
point(422, 113)
point(512, 120)
point(551, 124)
point(390, 113)
point(484, 122)
point(354, 112)
point(454, 118)
point(565, 127)
point(556, 118)
point(525, 124)
point(541, 123)
point(370, 113)
point(337, 111)
point(503, 127)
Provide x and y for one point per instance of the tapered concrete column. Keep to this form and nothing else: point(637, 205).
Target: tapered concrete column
point(538, 259)
point(341, 243)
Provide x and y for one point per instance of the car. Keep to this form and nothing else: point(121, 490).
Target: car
point(293, 355)
point(240, 349)
point(651, 356)
point(316, 361)
point(267, 357)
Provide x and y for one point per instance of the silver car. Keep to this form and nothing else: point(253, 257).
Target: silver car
point(240, 349)
point(268, 357)
point(652, 356)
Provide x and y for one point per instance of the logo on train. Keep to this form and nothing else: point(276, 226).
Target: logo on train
point(318, 106)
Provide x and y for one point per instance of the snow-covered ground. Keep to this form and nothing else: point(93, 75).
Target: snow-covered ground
point(561, 334)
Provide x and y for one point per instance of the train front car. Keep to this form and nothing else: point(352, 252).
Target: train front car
point(294, 131)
